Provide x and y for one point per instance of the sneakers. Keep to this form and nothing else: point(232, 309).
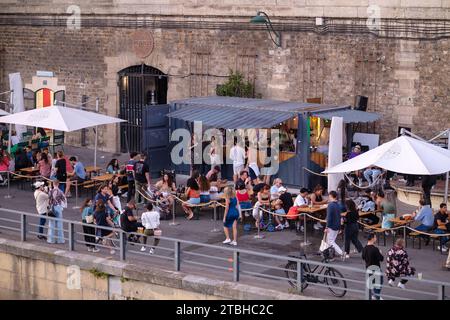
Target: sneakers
point(444, 248)
point(41, 237)
point(391, 282)
point(90, 249)
point(317, 226)
point(95, 249)
point(151, 251)
point(286, 225)
point(112, 251)
point(143, 249)
point(401, 285)
point(347, 256)
point(226, 241)
point(233, 243)
point(302, 229)
point(279, 227)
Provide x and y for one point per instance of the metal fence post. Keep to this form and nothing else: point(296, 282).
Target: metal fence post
point(177, 258)
point(71, 236)
point(441, 292)
point(123, 245)
point(236, 266)
point(23, 227)
point(300, 276)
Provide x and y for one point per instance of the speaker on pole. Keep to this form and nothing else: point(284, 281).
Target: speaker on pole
point(361, 103)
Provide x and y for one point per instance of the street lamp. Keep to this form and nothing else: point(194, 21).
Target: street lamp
point(262, 17)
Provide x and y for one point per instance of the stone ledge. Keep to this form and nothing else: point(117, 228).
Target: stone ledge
point(178, 280)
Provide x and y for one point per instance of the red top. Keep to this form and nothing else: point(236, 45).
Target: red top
point(242, 197)
point(4, 165)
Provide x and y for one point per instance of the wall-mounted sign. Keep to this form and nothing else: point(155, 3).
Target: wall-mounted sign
point(142, 43)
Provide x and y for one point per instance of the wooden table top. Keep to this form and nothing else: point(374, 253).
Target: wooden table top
point(105, 177)
point(30, 170)
point(92, 169)
point(400, 221)
point(314, 209)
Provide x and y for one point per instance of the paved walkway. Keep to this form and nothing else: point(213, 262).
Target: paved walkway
point(284, 243)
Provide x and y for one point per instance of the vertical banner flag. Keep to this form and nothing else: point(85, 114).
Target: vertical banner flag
point(15, 83)
point(335, 151)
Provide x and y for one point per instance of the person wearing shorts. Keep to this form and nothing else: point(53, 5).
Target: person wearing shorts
point(231, 215)
point(193, 195)
point(237, 154)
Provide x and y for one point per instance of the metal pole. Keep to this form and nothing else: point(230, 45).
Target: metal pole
point(96, 136)
point(447, 174)
point(8, 196)
point(123, 245)
point(305, 240)
point(236, 266)
point(71, 236)
point(299, 276)
point(173, 223)
point(76, 196)
point(215, 219)
point(441, 292)
point(23, 227)
point(177, 256)
point(259, 236)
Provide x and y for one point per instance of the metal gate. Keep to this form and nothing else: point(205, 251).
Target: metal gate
point(139, 86)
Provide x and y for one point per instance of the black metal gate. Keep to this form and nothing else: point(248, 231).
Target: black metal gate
point(139, 86)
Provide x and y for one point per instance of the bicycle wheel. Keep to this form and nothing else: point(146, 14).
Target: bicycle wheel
point(335, 282)
point(291, 274)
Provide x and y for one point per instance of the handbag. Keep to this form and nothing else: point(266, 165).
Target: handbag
point(157, 232)
point(50, 213)
point(323, 244)
point(90, 219)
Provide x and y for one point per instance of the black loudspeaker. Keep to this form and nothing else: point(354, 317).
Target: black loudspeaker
point(361, 103)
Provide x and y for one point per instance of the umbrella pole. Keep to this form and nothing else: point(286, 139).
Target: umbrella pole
point(11, 110)
point(447, 175)
point(96, 137)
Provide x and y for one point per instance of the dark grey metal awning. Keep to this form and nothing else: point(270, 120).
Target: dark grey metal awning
point(231, 118)
point(349, 115)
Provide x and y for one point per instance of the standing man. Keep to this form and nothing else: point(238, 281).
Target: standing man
point(372, 257)
point(333, 222)
point(237, 154)
point(141, 177)
point(130, 175)
point(427, 183)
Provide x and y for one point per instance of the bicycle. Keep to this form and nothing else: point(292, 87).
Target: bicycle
point(329, 276)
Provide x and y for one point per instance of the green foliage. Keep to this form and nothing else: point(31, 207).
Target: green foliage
point(236, 86)
point(98, 273)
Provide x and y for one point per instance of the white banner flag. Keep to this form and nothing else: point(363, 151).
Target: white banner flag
point(15, 83)
point(335, 151)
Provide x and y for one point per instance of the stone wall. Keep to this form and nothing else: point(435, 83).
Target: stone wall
point(410, 9)
point(29, 271)
point(406, 80)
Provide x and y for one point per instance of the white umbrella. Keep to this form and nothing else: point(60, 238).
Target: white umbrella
point(59, 118)
point(403, 155)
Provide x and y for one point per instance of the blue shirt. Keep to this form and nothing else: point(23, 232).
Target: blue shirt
point(333, 216)
point(79, 170)
point(425, 216)
point(88, 211)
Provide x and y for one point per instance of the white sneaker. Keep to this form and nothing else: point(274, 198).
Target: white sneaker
point(233, 243)
point(89, 249)
point(401, 285)
point(302, 229)
point(279, 227)
point(317, 226)
point(226, 241)
point(143, 249)
point(151, 251)
point(95, 250)
point(444, 248)
point(347, 256)
point(391, 283)
point(286, 225)
point(112, 251)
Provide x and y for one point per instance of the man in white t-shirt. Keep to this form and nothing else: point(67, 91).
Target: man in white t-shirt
point(151, 221)
point(237, 154)
point(302, 198)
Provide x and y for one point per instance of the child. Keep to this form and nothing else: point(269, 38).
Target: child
point(279, 213)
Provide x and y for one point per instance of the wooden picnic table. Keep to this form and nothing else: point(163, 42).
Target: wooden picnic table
point(401, 222)
point(30, 170)
point(314, 209)
point(90, 169)
point(105, 177)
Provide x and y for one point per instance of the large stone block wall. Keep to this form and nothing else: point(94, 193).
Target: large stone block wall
point(410, 9)
point(30, 271)
point(407, 81)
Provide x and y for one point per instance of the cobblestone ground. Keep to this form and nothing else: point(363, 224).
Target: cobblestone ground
point(425, 260)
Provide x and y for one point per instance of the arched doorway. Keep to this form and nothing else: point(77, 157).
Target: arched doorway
point(139, 86)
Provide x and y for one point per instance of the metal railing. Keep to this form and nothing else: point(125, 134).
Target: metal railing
point(243, 264)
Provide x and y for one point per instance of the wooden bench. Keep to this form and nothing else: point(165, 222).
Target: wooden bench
point(383, 232)
point(415, 235)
